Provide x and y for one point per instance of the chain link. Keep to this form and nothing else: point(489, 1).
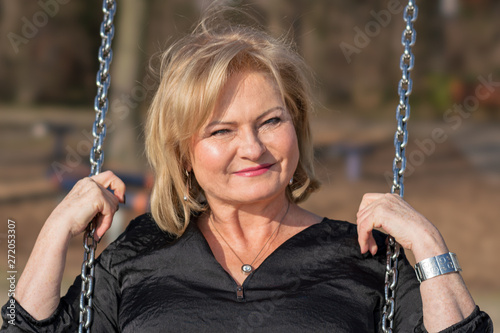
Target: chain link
point(399, 165)
point(105, 56)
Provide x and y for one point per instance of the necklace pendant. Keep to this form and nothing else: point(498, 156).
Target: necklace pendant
point(247, 269)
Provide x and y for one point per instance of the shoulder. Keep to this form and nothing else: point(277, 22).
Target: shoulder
point(141, 236)
point(344, 229)
point(333, 247)
point(343, 234)
point(142, 233)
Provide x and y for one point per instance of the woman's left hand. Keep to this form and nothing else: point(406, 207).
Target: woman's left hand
point(396, 217)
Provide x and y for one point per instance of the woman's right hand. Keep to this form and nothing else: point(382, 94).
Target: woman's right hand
point(90, 197)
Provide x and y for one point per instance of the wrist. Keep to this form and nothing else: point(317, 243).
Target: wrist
point(430, 245)
point(55, 230)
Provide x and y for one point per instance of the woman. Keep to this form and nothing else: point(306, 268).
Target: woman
point(226, 247)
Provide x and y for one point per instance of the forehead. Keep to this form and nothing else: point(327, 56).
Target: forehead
point(248, 91)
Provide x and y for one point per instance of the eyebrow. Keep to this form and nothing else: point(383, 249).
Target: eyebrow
point(262, 115)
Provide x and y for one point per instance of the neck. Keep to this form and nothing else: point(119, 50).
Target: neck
point(248, 225)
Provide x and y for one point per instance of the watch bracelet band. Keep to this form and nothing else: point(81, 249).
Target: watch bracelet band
point(438, 265)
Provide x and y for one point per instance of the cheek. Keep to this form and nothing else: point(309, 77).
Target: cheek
point(208, 157)
point(290, 145)
point(284, 144)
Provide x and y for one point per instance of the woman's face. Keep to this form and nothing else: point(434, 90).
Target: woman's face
point(247, 151)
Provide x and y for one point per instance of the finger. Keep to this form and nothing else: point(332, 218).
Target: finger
point(111, 203)
point(114, 184)
point(105, 218)
point(367, 221)
point(367, 241)
point(108, 179)
point(107, 206)
point(113, 199)
point(368, 199)
point(368, 211)
point(375, 202)
point(372, 245)
point(365, 235)
point(103, 225)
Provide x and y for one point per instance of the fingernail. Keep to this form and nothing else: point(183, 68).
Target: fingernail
point(99, 240)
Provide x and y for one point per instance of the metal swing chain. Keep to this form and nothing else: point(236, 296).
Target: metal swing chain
point(399, 164)
point(96, 160)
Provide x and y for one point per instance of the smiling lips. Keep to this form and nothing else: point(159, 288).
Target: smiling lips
point(255, 171)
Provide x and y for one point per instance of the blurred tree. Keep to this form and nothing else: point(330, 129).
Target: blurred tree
point(458, 39)
point(127, 87)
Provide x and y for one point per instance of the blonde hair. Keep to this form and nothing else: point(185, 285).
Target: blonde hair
point(193, 72)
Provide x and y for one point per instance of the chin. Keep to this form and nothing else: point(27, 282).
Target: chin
point(259, 194)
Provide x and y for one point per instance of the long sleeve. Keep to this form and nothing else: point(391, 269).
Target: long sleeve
point(107, 289)
point(477, 322)
point(66, 316)
point(317, 281)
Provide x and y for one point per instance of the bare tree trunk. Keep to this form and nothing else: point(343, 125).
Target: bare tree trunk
point(17, 53)
point(127, 90)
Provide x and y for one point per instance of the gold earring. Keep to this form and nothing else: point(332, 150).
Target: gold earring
point(188, 186)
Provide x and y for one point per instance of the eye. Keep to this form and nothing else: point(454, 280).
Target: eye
point(272, 121)
point(219, 132)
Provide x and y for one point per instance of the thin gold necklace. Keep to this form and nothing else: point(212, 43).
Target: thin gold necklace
point(248, 268)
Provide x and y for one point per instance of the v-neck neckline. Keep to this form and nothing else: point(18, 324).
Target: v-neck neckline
point(205, 243)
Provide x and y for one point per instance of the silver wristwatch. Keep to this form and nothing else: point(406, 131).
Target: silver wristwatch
point(438, 265)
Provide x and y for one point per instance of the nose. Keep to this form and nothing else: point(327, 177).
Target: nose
point(251, 146)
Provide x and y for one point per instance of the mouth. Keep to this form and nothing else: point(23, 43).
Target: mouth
point(254, 171)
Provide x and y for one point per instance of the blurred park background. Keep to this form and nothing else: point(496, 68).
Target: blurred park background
point(48, 65)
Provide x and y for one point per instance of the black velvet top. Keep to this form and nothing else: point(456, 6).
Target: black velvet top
point(317, 281)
